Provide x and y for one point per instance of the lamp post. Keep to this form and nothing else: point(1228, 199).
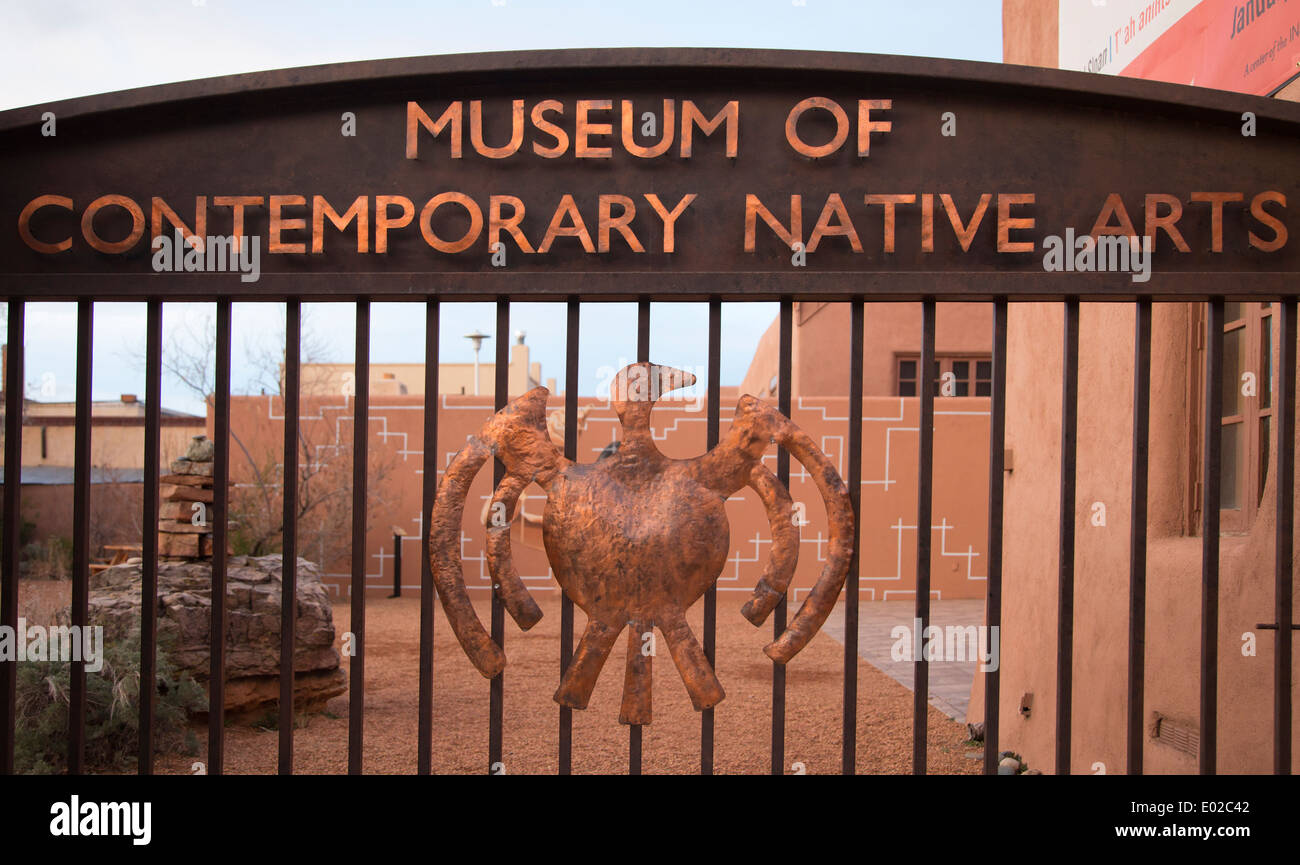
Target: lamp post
point(477, 338)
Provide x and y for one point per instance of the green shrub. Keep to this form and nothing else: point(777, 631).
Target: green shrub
point(50, 559)
point(112, 710)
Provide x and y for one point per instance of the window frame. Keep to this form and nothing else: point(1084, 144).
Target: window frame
point(945, 362)
point(1255, 412)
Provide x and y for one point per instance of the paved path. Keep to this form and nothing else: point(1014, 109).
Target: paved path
point(950, 681)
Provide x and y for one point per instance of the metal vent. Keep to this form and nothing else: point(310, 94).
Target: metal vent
point(1179, 736)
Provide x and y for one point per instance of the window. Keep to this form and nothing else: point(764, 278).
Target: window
point(954, 375)
point(1246, 422)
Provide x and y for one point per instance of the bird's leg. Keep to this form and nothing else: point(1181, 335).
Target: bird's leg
point(637, 680)
point(779, 569)
point(584, 668)
point(697, 673)
point(501, 565)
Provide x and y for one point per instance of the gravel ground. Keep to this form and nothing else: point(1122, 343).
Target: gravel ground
point(671, 745)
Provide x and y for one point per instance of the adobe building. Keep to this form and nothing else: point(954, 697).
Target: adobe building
point(1102, 512)
point(820, 342)
point(117, 458)
point(408, 378)
point(890, 461)
point(118, 439)
point(892, 350)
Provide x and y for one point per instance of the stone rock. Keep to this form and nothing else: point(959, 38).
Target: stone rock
point(176, 511)
point(180, 527)
point(1009, 766)
point(178, 493)
point(186, 466)
point(186, 480)
point(184, 545)
point(200, 450)
point(252, 626)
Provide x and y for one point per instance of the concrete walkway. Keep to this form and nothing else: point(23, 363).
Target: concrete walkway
point(950, 681)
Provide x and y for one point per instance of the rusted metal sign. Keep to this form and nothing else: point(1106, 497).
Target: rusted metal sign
point(689, 173)
point(635, 538)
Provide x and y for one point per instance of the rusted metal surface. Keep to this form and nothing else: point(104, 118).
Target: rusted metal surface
point(923, 218)
point(713, 417)
point(1137, 567)
point(428, 488)
point(1070, 140)
point(289, 529)
point(784, 390)
point(81, 536)
point(11, 527)
point(220, 542)
point(1284, 537)
point(993, 586)
point(1211, 486)
point(636, 538)
point(149, 533)
point(360, 469)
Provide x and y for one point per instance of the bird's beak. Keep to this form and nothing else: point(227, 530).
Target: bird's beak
point(671, 379)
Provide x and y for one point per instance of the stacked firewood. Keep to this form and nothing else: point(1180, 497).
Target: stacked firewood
point(185, 516)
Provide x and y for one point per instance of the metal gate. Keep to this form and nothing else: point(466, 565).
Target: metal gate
point(1035, 100)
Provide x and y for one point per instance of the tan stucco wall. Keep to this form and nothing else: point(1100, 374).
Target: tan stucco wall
point(397, 379)
point(119, 447)
point(1101, 561)
point(820, 345)
point(116, 512)
point(889, 464)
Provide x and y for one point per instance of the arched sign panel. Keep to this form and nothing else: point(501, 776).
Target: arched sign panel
point(677, 173)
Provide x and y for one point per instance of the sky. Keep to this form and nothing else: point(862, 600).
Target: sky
point(59, 49)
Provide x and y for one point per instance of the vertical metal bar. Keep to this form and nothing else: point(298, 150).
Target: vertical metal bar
point(149, 535)
point(220, 530)
point(571, 334)
point(496, 688)
point(1137, 565)
point(80, 535)
point(634, 749)
point(643, 331)
point(13, 385)
point(1283, 574)
point(1065, 561)
point(360, 478)
point(642, 356)
point(993, 587)
point(424, 746)
point(714, 398)
point(289, 529)
point(1210, 537)
point(925, 481)
point(849, 736)
point(785, 368)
